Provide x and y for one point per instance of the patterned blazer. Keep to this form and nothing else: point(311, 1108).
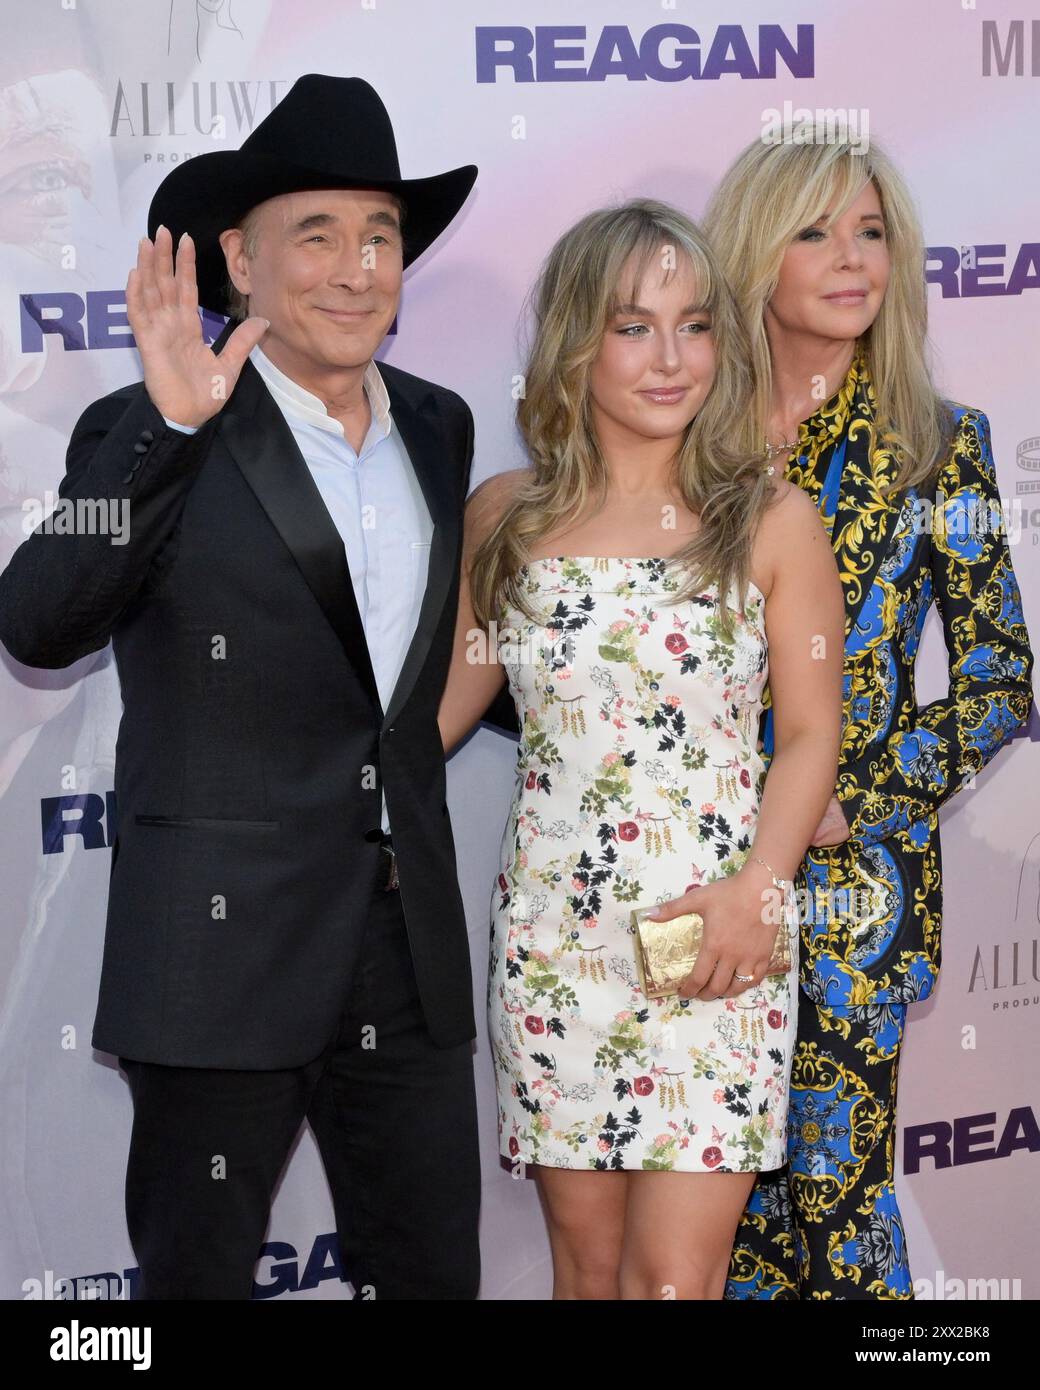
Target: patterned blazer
point(872, 906)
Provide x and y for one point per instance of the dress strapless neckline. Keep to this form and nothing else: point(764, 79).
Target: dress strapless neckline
point(615, 559)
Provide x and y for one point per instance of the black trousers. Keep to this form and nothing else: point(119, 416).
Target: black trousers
point(395, 1120)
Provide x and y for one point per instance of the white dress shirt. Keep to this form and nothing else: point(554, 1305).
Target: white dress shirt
point(376, 505)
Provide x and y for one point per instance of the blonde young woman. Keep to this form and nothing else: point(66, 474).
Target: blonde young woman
point(628, 585)
point(825, 254)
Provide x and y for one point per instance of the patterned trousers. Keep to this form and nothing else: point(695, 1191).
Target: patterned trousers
point(827, 1224)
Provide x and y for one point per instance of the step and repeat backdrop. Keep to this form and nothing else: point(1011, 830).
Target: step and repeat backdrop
point(564, 108)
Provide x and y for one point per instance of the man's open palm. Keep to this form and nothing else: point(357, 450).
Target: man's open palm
point(185, 381)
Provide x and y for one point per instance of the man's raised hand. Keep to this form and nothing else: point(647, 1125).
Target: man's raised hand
point(185, 381)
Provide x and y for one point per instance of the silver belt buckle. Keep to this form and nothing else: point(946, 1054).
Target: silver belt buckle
point(391, 876)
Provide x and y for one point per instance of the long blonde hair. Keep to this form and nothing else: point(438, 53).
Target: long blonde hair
point(772, 192)
point(720, 479)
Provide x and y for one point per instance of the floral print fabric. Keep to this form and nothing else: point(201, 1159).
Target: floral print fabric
point(637, 778)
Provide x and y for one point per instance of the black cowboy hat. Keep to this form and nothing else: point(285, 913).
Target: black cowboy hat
point(326, 132)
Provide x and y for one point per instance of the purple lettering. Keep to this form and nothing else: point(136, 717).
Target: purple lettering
point(966, 1142)
point(549, 54)
point(973, 285)
point(687, 54)
point(89, 824)
point(799, 58)
point(106, 311)
point(927, 1141)
point(616, 40)
point(1026, 272)
point(68, 323)
point(1020, 1132)
point(517, 56)
point(729, 52)
point(947, 272)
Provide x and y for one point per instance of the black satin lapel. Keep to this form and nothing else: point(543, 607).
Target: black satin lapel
point(416, 425)
point(262, 444)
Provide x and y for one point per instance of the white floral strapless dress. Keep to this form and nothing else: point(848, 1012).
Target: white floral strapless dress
point(638, 776)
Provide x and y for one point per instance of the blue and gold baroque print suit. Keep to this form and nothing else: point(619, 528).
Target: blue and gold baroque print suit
point(827, 1225)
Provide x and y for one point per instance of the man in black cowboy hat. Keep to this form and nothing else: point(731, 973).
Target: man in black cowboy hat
point(282, 622)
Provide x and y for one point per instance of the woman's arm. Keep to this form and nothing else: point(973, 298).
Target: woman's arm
point(476, 675)
point(805, 629)
point(990, 691)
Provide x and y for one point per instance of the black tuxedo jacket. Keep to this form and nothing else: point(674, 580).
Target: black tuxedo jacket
point(252, 747)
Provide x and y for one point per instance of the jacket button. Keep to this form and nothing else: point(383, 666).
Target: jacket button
point(129, 478)
point(373, 835)
point(140, 448)
point(147, 436)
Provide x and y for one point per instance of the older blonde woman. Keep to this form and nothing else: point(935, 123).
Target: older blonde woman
point(633, 585)
point(825, 254)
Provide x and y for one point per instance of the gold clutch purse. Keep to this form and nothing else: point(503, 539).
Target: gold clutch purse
point(666, 952)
